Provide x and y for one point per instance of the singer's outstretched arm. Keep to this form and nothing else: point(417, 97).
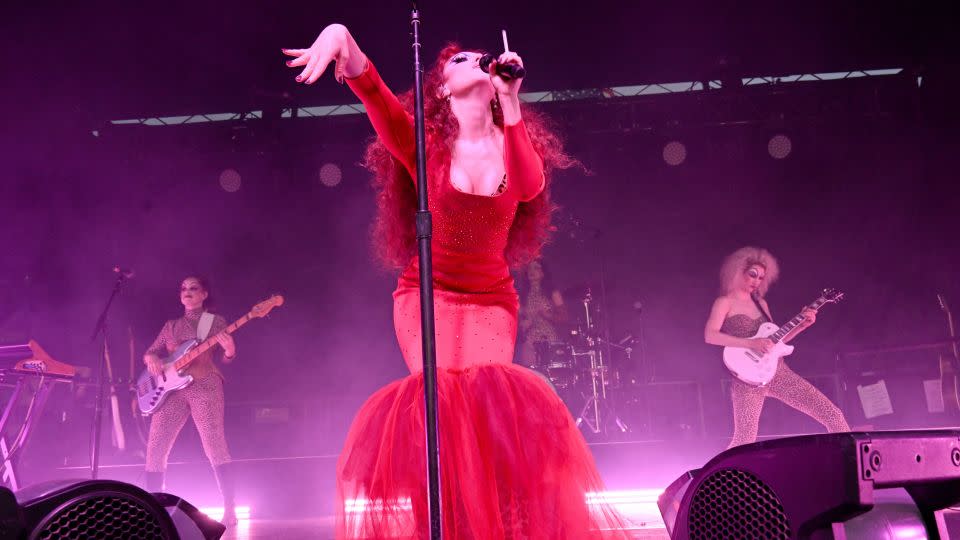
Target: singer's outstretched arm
point(394, 126)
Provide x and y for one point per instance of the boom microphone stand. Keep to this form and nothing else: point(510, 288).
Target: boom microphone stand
point(101, 330)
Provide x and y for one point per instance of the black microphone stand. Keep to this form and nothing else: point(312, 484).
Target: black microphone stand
point(101, 330)
point(424, 235)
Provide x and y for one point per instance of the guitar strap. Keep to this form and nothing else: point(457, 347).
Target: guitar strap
point(760, 307)
point(203, 327)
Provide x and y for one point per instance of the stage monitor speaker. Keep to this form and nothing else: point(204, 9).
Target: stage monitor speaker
point(11, 519)
point(835, 486)
point(191, 523)
point(101, 509)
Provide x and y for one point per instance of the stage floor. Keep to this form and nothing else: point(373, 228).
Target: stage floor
point(322, 529)
point(292, 497)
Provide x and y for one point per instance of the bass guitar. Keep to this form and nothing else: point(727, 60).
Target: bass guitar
point(152, 390)
point(758, 369)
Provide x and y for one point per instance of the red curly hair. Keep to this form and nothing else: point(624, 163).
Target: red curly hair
point(393, 232)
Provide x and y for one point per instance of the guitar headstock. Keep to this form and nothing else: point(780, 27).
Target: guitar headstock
point(263, 308)
point(831, 296)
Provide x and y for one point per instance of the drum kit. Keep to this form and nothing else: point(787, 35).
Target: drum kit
point(580, 368)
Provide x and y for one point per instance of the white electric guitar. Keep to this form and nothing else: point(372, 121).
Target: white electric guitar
point(152, 391)
point(758, 370)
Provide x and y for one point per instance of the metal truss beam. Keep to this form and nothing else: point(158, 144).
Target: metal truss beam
point(551, 96)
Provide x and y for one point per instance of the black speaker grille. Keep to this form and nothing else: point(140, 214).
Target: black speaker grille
point(735, 504)
point(103, 517)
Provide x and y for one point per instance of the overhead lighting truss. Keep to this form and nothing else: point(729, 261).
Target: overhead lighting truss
point(610, 93)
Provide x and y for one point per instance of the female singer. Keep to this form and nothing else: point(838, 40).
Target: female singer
point(513, 463)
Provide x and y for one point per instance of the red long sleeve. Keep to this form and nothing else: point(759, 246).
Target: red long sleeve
point(522, 163)
point(392, 123)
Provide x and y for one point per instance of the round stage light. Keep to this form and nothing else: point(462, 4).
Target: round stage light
point(674, 153)
point(330, 174)
point(779, 146)
point(230, 180)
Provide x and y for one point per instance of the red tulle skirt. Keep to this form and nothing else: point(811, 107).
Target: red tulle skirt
point(512, 462)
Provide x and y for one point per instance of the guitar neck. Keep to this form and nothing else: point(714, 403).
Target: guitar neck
point(953, 335)
point(793, 323)
point(209, 343)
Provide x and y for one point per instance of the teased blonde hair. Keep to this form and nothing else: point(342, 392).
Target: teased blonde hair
point(741, 260)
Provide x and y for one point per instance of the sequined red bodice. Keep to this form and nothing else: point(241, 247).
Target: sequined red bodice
point(469, 238)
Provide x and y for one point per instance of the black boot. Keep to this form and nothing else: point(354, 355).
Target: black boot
point(225, 481)
point(154, 481)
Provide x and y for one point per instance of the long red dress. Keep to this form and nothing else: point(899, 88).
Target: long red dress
point(513, 463)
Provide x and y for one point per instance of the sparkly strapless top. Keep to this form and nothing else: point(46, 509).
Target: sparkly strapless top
point(742, 326)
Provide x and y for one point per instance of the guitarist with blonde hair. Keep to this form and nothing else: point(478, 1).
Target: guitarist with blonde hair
point(203, 399)
point(734, 321)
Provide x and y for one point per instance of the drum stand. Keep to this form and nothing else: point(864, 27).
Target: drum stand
point(597, 411)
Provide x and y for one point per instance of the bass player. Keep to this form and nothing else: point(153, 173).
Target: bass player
point(203, 400)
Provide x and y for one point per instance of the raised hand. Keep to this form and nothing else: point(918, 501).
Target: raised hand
point(505, 87)
point(333, 44)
